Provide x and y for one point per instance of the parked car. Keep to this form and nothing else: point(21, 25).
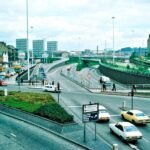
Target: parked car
point(103, 114)
point(135, 116)
point(126, 131)
point(3, 83)
point(51, 88)
point(3, 73)
point(2, 77)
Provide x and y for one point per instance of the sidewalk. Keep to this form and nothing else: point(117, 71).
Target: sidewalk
point(95, 88)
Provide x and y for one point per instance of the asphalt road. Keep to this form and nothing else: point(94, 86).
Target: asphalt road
point(18, 135)
point(73, 97)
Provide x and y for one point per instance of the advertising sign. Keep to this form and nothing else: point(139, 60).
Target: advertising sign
point(90, 112)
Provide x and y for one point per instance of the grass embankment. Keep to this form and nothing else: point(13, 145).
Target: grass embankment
point(40, 104)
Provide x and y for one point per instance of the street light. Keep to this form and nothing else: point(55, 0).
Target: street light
point(32, 49)
point(113, 40)
point(27, 32)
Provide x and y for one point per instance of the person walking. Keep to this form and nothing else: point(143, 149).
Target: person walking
point(114, 87)
point(58, 86)
point(134, 88)
point(104, 86)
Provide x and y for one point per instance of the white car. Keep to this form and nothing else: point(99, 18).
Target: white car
point(51, 88)
point(103, 114)
point(126, 131)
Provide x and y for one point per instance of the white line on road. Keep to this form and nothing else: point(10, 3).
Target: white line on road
point(12, 134)
point(146, 140)
point(133, 146)
point(75, 106)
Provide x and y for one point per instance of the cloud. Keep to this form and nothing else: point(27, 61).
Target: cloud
point(69, 20)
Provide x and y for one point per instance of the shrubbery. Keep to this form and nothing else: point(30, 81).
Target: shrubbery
point(40, 104)
point(54, 112)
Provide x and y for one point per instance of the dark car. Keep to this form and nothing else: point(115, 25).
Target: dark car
point(3, 83)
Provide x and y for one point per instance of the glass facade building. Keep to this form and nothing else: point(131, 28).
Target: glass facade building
point(21, 45)
point(52, 47)
point(38, 48)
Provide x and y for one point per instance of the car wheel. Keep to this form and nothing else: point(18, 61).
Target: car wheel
point(111, 131)
point(123, 117)
point(133, 122)
point(121, 138)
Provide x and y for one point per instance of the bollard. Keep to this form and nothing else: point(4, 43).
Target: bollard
point(124, 104)
point(115, 146)
point(5, 92)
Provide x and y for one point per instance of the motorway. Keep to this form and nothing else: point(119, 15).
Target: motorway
point(18, 135)
point(73, 97)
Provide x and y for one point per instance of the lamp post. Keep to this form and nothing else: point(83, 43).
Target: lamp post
point(27, 33)
point(32, 48)
point(113, 18)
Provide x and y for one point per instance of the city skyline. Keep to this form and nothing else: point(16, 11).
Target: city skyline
point(78, 25)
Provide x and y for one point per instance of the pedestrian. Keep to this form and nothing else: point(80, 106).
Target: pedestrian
point(100, 80)
point(134, 87)
point(52, 82)
point(58, 86)
point(114, 87)
point(104, 86)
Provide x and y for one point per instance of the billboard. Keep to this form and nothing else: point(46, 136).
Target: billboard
point(90, 112)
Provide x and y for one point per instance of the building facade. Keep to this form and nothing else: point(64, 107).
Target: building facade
point(38, 48)
point(21, 45)
point(148, 44)
point(52, 47)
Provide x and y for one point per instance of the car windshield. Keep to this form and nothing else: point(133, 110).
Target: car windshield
point(130, 128)
point(140, 114)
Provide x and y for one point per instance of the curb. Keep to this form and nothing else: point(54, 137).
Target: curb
point(46, 129)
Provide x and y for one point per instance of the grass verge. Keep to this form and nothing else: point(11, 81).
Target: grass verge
point(37, 103)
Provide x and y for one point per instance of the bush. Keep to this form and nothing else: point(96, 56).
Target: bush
point(1, 93)
point(54, 112)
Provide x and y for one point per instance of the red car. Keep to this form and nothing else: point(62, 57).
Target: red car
point(3, 83)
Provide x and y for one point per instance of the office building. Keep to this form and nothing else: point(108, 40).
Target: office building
point(51, 47)
point(38, 48)
point(21, 45)
point(148, 44)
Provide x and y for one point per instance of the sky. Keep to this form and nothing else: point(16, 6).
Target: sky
point(77, 24)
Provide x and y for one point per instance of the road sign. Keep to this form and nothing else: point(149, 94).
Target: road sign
point(90, 108)
point(90, 112)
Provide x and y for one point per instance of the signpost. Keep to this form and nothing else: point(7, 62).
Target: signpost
point(90, 113)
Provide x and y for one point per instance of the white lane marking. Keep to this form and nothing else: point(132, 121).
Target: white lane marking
point(146, 140)
point(74, 106)
point(12, 134)
point(133, 146)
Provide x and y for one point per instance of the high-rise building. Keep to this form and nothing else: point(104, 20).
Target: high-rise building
point(38, 48)
point(148, 44)
point(51, 47)
point(21, 44)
